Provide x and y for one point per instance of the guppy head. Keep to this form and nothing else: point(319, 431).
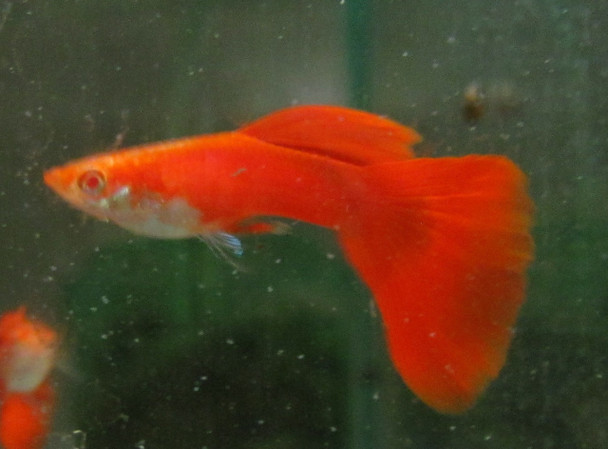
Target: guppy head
point(104, 187)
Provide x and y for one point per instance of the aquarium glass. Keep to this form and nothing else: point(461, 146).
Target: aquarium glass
point(172, 344)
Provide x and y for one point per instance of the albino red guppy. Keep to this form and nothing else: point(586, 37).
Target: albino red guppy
point(27, 355)
point(442, 243)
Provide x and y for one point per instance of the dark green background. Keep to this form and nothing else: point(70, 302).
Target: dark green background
point(166, 346)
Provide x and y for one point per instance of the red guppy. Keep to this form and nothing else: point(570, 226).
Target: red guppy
point(442, 243)
point(27, 355)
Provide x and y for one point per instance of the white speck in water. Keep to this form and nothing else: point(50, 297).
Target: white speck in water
point(330, 256)
point(280, 352)
point(301, 357)
point(488, 437)
point(261, 422)
point(279, 260)
point(229, 341)
point(79, 438)
point(333, 429)
point(451, 40)
point(141, 444)
point(376, 396)
point(269, 289)
point(405, 54)
point(105, 299)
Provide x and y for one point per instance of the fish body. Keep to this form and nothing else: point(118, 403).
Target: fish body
point(158, 192)
point(27, 354)
point(443, 244)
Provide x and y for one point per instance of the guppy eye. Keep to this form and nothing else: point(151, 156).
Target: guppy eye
point(92, 182)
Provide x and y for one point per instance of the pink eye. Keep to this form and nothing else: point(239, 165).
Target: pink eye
point(92, 182)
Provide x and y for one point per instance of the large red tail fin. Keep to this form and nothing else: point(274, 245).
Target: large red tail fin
point(443, 245)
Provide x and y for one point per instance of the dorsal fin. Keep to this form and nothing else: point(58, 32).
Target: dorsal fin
point(341, 133)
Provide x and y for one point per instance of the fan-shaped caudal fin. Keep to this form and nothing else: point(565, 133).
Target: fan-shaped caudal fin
point(443, 244)
point(345, 134)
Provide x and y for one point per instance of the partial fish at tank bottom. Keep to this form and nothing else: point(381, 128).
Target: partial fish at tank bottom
point(442, 243)
point(27, 355)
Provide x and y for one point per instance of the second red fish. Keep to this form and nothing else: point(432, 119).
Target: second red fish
point(27, 355)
